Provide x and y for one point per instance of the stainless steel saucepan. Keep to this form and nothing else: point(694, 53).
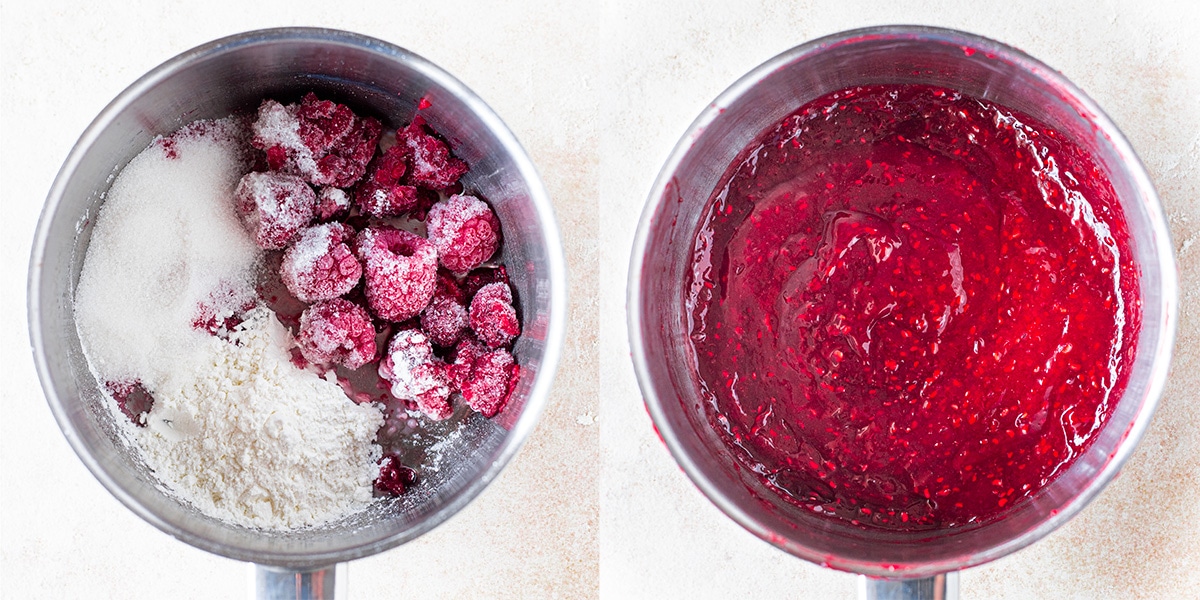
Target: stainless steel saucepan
point(899, 565)
point(235, 74)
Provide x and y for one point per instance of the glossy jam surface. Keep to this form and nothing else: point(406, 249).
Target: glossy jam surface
point(910, 309)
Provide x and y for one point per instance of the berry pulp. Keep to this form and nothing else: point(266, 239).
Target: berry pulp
point(911, 309)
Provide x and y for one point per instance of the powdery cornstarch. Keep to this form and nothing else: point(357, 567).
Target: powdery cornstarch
point(249, 438)
point(236, 428)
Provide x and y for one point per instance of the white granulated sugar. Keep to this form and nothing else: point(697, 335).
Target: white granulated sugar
point(166, 240)
point(249, 438)
point(236, 428)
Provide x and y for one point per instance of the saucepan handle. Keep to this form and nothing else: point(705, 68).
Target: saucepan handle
point(278, 583)
point(938, 587)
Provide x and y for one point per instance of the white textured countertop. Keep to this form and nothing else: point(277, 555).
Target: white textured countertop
point(598, 93)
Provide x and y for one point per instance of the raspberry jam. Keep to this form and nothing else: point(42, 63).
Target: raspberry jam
point(911, 309)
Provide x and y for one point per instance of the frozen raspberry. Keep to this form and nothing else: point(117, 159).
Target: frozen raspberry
point(416, 374)
point(492, 315)
point(444, 320)
point(274, 207)
point(323, 123)
point(381, 194)
point(337, 331)
point(466, 354)
point(346, 161)
point(332, 203)
point(277, 131)
point(465, 231)
point(401, 271)
point(320, 265)
point(390, 166)
point(133, 400)
point(426, 198)
point(394, 478)
point(431, 164)
point(493, 376)
point(323, 142)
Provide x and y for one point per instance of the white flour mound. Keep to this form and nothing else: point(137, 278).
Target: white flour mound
point(236, 428)
point(249, 438)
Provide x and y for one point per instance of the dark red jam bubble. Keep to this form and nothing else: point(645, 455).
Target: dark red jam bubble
point(911, 309)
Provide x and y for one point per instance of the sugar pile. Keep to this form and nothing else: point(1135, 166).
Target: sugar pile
point(236, 429)
point(166, 241)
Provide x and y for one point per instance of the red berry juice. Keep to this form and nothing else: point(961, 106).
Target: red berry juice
point(910, 309)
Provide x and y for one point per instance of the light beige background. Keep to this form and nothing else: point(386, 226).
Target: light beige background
point(598, 92)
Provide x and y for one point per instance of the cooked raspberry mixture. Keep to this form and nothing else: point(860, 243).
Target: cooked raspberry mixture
point(911, 309)
point(332, 192)
point(337, 331)
point(274, 207)
point(465, 232)
point(320, 264)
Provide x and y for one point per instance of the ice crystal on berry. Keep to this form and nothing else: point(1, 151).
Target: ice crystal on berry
point(444, 320)
point(429, 159)
point(332, 203)
point(323, 142)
